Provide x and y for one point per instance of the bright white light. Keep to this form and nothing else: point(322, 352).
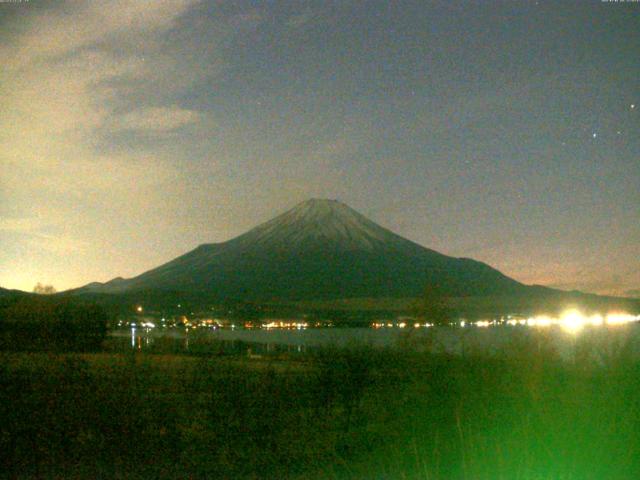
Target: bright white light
point(596, 320)
point(483, 323)
point(621, 318)
point(539, 321)
point(572, 320)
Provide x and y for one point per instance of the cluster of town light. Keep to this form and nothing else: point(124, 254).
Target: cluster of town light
point(399, 325)
point(286, 325)
point(574, 320)
point(570, 320)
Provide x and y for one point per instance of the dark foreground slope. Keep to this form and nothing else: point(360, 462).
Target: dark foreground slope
point(320, 249)
point(335, 414)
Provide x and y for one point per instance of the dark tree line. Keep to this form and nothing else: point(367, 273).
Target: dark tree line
point(51, 324)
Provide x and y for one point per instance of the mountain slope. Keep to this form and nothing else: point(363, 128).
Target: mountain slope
point(6, 292)
point(319, 249)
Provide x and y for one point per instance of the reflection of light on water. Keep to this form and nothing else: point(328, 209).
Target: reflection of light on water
point(133, 337)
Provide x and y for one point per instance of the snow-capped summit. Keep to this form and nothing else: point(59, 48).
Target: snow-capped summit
point(321, 220)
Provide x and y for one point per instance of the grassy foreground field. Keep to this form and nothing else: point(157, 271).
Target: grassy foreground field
point(336, 414)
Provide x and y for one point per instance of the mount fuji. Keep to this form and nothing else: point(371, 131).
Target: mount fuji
point(320, 249)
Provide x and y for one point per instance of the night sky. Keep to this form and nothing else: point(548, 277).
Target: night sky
point(503, 131)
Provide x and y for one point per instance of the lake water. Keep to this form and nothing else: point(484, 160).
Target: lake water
point(601, 340)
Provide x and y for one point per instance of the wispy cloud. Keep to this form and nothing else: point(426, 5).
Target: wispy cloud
point(84, 86)
point(76, 24)
point(157, 119)
point(36, 233)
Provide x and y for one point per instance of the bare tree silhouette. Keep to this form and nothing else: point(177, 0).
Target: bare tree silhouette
point(44, 289)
